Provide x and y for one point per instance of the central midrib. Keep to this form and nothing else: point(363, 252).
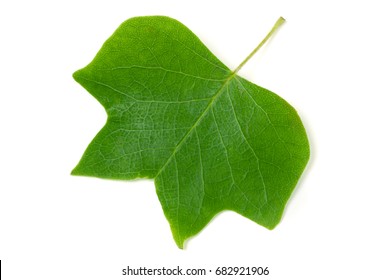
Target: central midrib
point(199, 119)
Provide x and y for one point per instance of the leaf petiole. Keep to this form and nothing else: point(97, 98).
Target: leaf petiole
point(277, 24)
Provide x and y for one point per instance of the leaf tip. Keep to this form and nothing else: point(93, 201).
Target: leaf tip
point(179, 240)
point(75, 172)
point(179, 243)
point(271, 227)
point(76, 75)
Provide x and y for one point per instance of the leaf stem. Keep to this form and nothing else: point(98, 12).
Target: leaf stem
point(277, 24)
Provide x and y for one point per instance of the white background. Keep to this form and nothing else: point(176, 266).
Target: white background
point(330, 61)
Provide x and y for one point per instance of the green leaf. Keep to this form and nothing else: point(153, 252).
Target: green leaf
point(212, 140)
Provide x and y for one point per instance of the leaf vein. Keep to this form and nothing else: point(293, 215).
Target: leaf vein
point(266, 114)
point(166, 70)
point(250, 146)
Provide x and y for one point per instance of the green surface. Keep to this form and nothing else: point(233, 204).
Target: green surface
point(210, 139)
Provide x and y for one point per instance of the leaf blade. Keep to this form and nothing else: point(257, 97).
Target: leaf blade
point(212, 140)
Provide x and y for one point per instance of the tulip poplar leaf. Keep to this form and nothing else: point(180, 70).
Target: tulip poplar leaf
point(210, 139)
